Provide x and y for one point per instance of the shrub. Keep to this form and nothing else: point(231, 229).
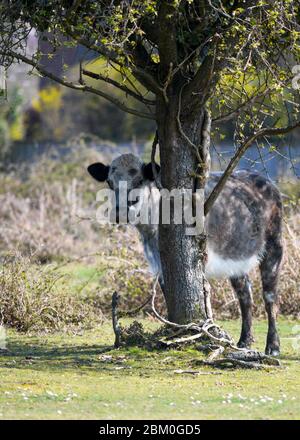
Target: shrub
point(30, 299)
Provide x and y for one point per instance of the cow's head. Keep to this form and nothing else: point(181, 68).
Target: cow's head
point(130, 169)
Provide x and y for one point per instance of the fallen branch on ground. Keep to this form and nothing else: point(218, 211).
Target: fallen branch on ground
point(223, 351)
point(115, 320)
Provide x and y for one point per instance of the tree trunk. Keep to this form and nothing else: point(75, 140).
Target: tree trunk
point(182, 256)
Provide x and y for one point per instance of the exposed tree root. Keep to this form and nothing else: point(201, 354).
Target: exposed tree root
point(221, 348)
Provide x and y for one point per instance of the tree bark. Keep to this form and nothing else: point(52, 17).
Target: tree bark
point(182, 256)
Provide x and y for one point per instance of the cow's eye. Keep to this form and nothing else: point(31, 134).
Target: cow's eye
point(132, 171)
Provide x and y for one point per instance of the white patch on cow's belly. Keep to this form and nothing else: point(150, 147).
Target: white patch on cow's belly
point(219, 267)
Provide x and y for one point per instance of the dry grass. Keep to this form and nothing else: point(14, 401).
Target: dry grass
point(290, 278)
point(41, 209)
point(30, 299)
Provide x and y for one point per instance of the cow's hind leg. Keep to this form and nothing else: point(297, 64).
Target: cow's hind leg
point(242, 287)
point(270, 268)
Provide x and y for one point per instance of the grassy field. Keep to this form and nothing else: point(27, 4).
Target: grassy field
point(61, 376)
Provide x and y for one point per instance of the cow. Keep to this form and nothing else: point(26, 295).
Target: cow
point(243, 227)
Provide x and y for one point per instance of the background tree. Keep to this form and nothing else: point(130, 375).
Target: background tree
point(190, 63)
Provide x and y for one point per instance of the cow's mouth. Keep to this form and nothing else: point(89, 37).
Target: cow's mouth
point(133, 202)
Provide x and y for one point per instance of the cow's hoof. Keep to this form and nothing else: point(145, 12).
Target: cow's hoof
point(272, 351)
point(244, 343)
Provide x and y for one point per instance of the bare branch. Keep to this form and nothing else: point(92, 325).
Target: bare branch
point(81, 87)
point(145, 78)
point(268, 131)
point(115, 320)
point(116, 84)
point(99, 48)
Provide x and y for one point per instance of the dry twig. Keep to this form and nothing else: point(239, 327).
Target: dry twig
point(115, 321)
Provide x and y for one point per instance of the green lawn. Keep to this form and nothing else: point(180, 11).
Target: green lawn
point(62, 376)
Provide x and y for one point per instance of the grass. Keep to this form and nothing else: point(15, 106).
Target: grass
point(80, 276)
point(63, 376)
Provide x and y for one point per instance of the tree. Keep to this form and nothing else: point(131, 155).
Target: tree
point(192, 64)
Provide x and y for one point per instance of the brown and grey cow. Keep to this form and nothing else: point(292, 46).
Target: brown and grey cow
point(244, 229)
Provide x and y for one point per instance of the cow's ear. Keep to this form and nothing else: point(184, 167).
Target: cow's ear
point(98, 171)
point(148, 172)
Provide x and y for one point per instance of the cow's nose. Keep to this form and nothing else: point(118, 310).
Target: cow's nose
point(121, 217)
point(133, 202)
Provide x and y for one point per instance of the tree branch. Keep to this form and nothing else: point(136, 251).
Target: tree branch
point(230, 115)
point(81, 87)
point(115, 320)
point(202, 80)
point(99, 48)
point(248, 102)
point(167, 44)
point(268, 131)
point(116, 84)
point(145, 78)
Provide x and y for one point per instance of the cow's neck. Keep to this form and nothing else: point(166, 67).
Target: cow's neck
point(149, 235)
